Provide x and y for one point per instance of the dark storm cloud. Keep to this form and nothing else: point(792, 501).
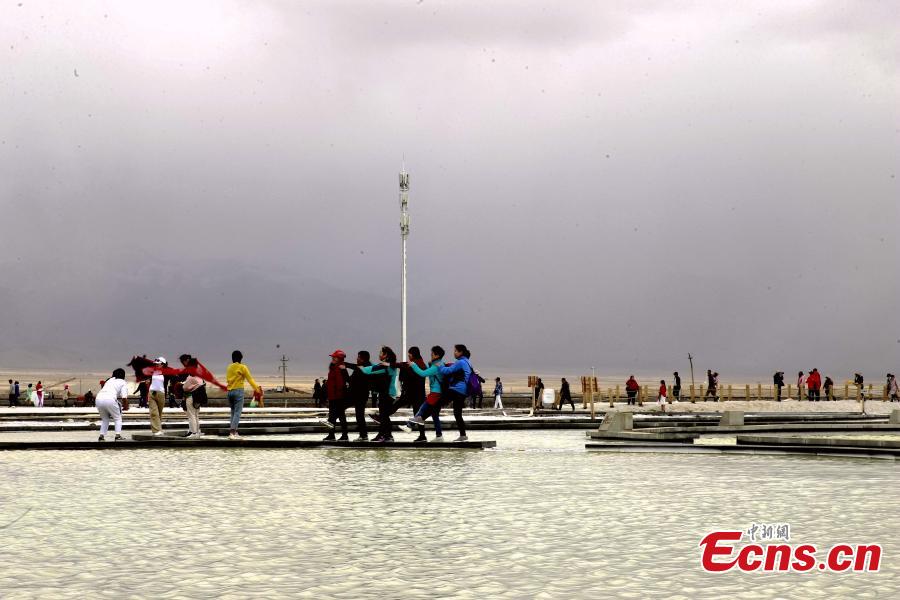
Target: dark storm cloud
point(591, 185)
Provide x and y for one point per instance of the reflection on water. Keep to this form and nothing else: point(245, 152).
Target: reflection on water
point(537, 517)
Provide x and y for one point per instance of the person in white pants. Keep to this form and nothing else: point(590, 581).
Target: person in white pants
point(107, 403)
point(498, 395)
point(195, 392)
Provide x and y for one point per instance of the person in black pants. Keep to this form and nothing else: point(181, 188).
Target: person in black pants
point(359, 394)
point(710, 386)
point(676, 387)
point(778, 381)
point(565, 395)
point(317, 393)
point(410, 383)
point(478, 396)
point(456, 377)
point(382, 377)
point(412, 386)
point(336, 392)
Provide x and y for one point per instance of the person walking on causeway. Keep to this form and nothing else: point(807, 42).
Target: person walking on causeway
point(565, 395)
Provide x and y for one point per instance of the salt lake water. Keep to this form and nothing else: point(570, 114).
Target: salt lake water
point(536, 518)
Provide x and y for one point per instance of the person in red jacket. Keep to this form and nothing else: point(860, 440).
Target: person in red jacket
point(814, 383)
point(631, 389)
point(336, 388)
point(661, 396)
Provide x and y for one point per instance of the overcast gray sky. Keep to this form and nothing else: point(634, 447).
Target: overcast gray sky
point(592, 184)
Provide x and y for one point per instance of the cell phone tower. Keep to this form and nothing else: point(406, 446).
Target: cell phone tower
point(404, 234)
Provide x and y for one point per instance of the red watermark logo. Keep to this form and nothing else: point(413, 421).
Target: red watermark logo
point(721, 551)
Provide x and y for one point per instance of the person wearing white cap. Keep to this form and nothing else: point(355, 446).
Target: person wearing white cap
point(157, 396)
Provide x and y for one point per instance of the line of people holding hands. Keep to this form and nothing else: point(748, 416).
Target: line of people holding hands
point(349, 383)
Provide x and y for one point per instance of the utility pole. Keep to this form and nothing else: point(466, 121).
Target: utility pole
point(404, 233)
point(283, 369)
point(691, 359)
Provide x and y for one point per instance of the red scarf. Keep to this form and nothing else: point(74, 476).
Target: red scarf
point(197, 370)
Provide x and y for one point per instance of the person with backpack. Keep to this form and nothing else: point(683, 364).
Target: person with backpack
point(828, 388)
point(458, 378)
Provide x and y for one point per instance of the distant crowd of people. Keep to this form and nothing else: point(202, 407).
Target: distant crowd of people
point(815, 387)
point(33, 395)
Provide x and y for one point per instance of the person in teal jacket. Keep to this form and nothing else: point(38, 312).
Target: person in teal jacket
point(385, 388)
point(432, 405)
point(455, 377)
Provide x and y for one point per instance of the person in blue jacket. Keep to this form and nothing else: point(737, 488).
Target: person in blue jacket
point(455, 377)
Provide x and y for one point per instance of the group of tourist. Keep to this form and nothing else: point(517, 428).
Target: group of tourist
point(187, 385)
point(349, 385)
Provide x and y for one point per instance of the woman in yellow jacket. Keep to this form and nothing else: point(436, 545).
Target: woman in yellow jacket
point(235, 377)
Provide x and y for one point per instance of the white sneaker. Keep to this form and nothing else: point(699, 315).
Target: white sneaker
point(157, 433)
point(326, 423)
point(437, 440)
point(462, 438)
point(198, 434)
point(232, 436)
point(404, 428)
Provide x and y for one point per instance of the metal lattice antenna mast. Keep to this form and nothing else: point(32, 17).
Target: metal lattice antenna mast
point(404, 233)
